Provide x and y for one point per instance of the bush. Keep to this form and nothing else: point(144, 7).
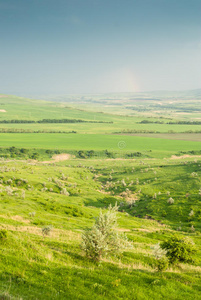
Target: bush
point(3, 234)
point(102, 237)
point(162, 264)
point(46, 230)
point(170, 200)
point(32, 214)
point(158, 252)
point(64, 192)
point(179, 249)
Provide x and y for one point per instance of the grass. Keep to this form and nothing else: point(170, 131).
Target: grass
point(28, 109)
point(68, 195)
point(159, 147)
point(37, 267)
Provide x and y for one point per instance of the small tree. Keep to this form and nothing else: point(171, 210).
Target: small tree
point(179, 249)
point(170, 200)
point(46, 230)
point(102, 237)
point(161, 259)
point(158, 252)
point(191, 213)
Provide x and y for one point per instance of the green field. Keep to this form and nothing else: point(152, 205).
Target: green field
point(117, 143)
point(26, 109)
point(41, 187)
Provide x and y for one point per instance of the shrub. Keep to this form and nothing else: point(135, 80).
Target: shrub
point(102, 237)
point(64, 192)
point(9, 190)
point(191, 214)
point(192, 229)
point(179, 249)
point(23, 194)
point(158, 252)
point(155, 196)
point(123, 183)
point(32, 214)
point(3, 234)
point(170, 200)
point(162, 264)
point(46, 230)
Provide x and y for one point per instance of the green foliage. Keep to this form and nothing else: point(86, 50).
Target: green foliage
point(161, 261)
point(46, 230)
point(161, 264)
point(179, 249)
point(17, 121)
point(158, 252)
point(72, 210)
point(102, 237)
point(3, 234)
point(32, 214)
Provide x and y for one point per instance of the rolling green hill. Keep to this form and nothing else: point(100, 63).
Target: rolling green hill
point(58, 180)
point(37, 267)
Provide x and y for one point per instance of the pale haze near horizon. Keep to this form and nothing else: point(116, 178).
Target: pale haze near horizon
point(98, 46)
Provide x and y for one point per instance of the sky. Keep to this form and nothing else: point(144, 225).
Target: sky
point(99, 46)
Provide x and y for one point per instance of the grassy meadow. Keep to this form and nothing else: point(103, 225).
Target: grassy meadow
point(41, 187)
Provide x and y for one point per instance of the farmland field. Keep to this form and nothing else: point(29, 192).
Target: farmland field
point(98, 142)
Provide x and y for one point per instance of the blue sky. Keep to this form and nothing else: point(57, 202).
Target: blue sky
point(98, 46)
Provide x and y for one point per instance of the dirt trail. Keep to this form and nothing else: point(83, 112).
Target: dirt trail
point(184, 156)
point(57, 157)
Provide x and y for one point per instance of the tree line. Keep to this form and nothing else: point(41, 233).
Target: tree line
point(15, 121)
point(21, 130)
point(171, 122)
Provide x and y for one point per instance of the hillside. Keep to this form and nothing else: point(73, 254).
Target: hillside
point(58, 181)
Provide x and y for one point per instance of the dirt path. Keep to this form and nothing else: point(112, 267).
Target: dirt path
point(57, 157)
point(184, 156)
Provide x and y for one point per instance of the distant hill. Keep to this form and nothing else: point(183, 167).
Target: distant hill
point(147, 95)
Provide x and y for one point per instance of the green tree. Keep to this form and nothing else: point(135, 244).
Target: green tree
point(102, 238)
point(179, 249)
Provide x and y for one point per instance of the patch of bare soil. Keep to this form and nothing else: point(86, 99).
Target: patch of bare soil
point(16, 218)
point(63, 156)
point(56, 233)
point(123, 229)
point(142, 229)
point(119, 159)
point(58, 157)
point(20, 219)
point(104, 192)
point(2, 110)
point(184, 156)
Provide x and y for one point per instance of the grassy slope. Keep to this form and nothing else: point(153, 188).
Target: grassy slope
point(34, 267)
point(54, 267)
